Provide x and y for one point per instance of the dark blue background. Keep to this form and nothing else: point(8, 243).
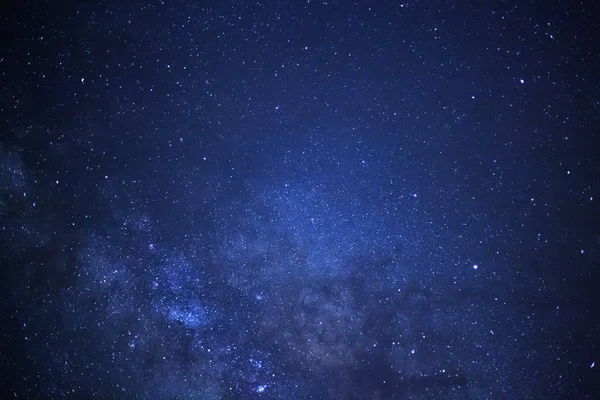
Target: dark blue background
point(300, 200)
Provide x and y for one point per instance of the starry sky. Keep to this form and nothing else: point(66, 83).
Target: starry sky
point(300, 199)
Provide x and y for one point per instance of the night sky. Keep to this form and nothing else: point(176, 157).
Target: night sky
point(300, 200)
